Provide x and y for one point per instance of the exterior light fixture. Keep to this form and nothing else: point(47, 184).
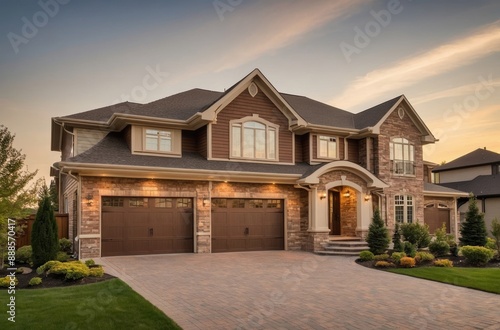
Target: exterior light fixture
point(206, 201)
point(90, 200)
point(347, 194)
point(323, 195)
point(367, 198)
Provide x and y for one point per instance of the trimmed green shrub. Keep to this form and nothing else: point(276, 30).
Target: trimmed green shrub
point(35, 281)
point(366, 255)
point(96, 271)
point(490, 244)
point(89, 262)
point(422, 256)
point(439, 248)
point(443, 263)
point(477, 255)
point(410, 249)
point(62, 256)
point(416, 234)
point(44, 233)
point(495, 231)
point(473, 229)
point(384, 264)
point(396, 239)
point(46, 266)
point(380, 257)
point(396, 256)
point(378, 236)
point(407, 262)
point(24, 254)
point(72, 270)
point(5, 281)
point(65, 245)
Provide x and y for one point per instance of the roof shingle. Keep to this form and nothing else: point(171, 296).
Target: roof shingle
point(474, 158)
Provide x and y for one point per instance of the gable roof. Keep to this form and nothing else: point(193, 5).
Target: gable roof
point(474, 158)
point(372, 116)
point(483, 185)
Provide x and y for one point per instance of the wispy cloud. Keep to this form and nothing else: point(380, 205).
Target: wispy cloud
point(444, 58)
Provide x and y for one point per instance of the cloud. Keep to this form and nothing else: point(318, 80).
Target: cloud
point(462, 51)
point(451, 92)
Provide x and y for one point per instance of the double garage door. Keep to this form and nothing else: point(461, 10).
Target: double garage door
point(137, 226)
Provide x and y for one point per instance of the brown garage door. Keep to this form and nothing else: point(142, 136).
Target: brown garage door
point(146, 225)
point(247, 224)
point(435, 217)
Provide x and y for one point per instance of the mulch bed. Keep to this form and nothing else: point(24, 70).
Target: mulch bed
point(50, 281)
point(457, 262)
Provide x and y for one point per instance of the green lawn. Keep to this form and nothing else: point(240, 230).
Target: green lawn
point(106, 305)
point(485, 279)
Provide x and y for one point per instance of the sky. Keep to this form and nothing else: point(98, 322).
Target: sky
point(59, 57)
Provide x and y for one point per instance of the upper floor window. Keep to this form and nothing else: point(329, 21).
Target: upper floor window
point(402, 155)
point(327, 147)
point(158, 140)
point(254, 140)
point(403, 208)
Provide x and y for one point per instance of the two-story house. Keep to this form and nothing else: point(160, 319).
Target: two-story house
point(246, 169)
point(477, 172)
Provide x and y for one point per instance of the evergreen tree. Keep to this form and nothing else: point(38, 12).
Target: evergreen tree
point(378, 236)
point(54, 195)
point(44, 238)
point(396, 239)
point(473, 229)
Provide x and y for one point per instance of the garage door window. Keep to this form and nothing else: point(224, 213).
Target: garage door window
point(138, 202)
point(219, 203)
point(184, 203)
point(164, 203)
point(238, 203)
point(274, 204)
point(112, 201)
point(256, 203)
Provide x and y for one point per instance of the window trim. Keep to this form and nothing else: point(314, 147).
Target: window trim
point(269, 126)
point(318, 140)
point(160, 130)
point(138, 141)
point(408, 201)
point(392, 154)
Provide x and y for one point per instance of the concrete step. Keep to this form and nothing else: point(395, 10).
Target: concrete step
point(356, 249)
point(347, 244)
point(338, 253)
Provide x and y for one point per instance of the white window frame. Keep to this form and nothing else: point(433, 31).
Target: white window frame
point(404, 164)
point(169, 136)
point(237, 131)
point(328, 139)
point(404, 204)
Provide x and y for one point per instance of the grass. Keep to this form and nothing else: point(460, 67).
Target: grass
point(106, 305)
point(484, 279)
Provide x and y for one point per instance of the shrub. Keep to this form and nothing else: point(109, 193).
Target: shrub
point(443, 263)
point(422, 256)
point(72, 270)
point(490, 244)
point(65, 245)
point(495, 231)
point(90, 262)
point(35, 281)
point(477, 255)
point(453, 248)
point(47, 266)
point(366, 255)
point(5, 281)
point(24, 254)
point(439, 248)
point(396, 256)
point(44, 233)
point(407, 262)
point(416, 234)
point(384, 264)
point(380, 257)
point(96, 271)
point(473, 229)
point(378, 236)
point(396, 239)
point(410, 249)
point(62, 256)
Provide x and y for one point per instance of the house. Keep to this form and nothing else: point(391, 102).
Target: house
point(477, 172)
point(246, 169)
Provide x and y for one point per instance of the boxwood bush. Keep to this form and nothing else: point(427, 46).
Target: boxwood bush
point(72, 270)
point(380, 257)
point(477, 255)
point(443, 263)
point(439, 248)
point(422, 256)
point(396, 256)
point(366, 255)
point(24, 254)
point(35, 281)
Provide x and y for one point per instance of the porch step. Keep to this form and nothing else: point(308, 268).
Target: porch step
point(348, 247)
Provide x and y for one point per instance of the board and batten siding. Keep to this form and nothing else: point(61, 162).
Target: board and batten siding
point(201, 140)
point(245, 105)
point(353, 151)
point(86, 139)
point(299, 158)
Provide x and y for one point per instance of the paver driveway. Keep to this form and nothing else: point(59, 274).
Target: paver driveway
point(298, 290)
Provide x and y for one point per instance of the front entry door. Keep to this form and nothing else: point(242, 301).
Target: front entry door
point(334, 212)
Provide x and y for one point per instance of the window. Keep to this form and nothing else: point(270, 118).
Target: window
point(327, 147)
point(184, 203)
point(403, 208)
point(112, 201)
point(254, 140)
point(274, 204)
point(402, 155)
point(256, 203)
point(219, 203)
point(164, 202)
point(158, 140)
point(138, 202)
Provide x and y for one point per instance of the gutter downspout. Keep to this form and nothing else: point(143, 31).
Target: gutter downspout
point(78, 210)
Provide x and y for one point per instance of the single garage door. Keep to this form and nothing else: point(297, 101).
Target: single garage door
point(247, 224)
point(435, 216)
point(146, 225)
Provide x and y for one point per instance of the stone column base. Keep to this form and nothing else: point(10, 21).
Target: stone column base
point(363, 233)
point(315, 240)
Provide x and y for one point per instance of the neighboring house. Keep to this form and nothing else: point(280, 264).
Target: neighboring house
point(245, 169)
point(477, 172)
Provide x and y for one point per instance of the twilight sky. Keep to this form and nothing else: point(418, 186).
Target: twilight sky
point(59, 57)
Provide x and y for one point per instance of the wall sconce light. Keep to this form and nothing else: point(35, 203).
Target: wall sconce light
point(323, 195)
point(347, 194)
point(206, 201)
point(90, 198)
point(367, 198)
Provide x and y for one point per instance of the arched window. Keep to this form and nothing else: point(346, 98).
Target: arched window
point(402, 154)
point(254, 138)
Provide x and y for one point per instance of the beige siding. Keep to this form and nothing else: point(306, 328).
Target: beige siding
point(87, 138)
point(464, 174)
point(492, 211)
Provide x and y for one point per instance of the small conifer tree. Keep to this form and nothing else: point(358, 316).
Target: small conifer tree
point(44, 240)
point(473, 229)
point(396, 239)
point(378, 236)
